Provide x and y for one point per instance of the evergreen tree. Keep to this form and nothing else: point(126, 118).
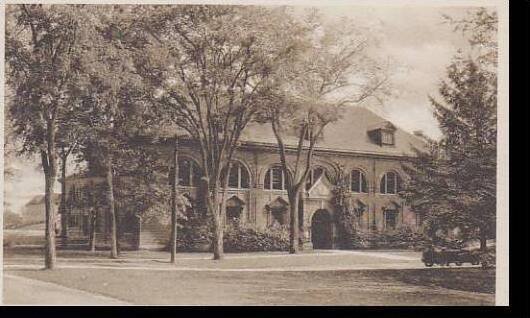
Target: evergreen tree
point(453, 182)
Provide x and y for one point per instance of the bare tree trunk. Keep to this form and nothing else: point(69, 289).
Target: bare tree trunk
point(49, 163)
point(294, 232)
point(483, 240)
point(111, 203)
point(174, 196)
point(63, 212)
point(218, 251)
point(93, 219)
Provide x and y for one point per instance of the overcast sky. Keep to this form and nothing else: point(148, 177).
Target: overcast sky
point(414, 37)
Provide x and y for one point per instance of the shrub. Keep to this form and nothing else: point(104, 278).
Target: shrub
point(239, 239)
point(488, 258)
point(403, 238)
point(195, 239)
point(235, 239)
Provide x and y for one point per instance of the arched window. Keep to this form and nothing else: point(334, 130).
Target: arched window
point(239, 177)
point(189, 173)
point(358, 181)
point(390, 183)
point(275, 179)
point(314, 175)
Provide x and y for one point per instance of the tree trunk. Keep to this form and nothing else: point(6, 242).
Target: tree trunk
point(49, 163)
point(49, 250)
point(174, 196)
point(93, 219)
point(294, 224)
point(110, 199)
point(483, 241)
point(63, 212)
point(218, 250)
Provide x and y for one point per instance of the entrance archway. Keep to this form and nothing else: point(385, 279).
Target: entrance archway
point(321, 230)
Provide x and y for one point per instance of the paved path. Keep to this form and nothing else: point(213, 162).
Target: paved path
point(259, 262)
point(35, 292)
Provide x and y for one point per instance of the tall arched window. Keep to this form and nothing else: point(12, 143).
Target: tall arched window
point(189, 173)
point(358, 181)
point(239, 177)
point(390, 183)
point(275, 179)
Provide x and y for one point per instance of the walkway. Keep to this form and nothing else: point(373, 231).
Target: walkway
point(35, 292)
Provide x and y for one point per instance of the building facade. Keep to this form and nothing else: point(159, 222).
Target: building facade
point(365, 149)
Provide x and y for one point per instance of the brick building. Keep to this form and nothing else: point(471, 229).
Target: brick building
point(367, 148)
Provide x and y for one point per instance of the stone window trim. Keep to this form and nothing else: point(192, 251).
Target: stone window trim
point(269, 179)
point(364, 185)
point(243, 177)
point(193, 172)
point(389, 188)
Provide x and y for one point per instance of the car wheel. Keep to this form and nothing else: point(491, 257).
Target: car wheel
point(428, 264)
point(458, 263)
point(475, 263)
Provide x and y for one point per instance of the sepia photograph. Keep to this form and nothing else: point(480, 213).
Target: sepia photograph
point(341, 153)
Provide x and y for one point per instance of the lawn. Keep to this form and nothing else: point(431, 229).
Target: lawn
point(351, 287)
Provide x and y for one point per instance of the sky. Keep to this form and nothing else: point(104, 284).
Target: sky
point(414, 38)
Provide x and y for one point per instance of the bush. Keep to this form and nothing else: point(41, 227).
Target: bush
point(235, 239)
point(195, 239)
point(488, 258)
point(238, 239)
point(404, 238)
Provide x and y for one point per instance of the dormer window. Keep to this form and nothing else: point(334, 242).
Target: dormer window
point(387, 137)
point(383, 134)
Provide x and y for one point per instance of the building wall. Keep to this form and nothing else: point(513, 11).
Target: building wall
point(256, 199)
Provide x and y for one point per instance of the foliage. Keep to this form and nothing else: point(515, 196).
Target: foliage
point(44, 48)
point(488, 258)
point(210, 68)
point(453, 182)
point(241, 239)
point(332, 70)
point(196, 234)
point(403, 238)
point(345, 213)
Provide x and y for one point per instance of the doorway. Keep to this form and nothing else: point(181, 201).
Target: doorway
point(322, 230)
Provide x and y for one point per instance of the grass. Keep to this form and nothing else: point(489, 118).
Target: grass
point(374, 287)
point(464, 279)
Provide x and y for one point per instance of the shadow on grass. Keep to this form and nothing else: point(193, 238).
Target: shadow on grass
point(464, 279)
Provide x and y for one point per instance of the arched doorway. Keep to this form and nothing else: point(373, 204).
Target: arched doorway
point(321, 230)
point(234, 209)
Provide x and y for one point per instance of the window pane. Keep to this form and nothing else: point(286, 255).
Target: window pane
point(387, 138)
point(364, 185)
point(267, 182)
point(233, 178)
point(277, 179)
point(391, 216)
point(391, 182)
point(245, 179)
point(355, 180)
point(382, 185)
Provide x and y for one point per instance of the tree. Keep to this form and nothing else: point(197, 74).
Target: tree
point(112, 100)
point(211, 67)
point(453, 182)
point(42, 54)
point(331, 71)
point(68, 139)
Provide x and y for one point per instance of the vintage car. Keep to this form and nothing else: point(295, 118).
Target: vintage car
point(444, 256)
